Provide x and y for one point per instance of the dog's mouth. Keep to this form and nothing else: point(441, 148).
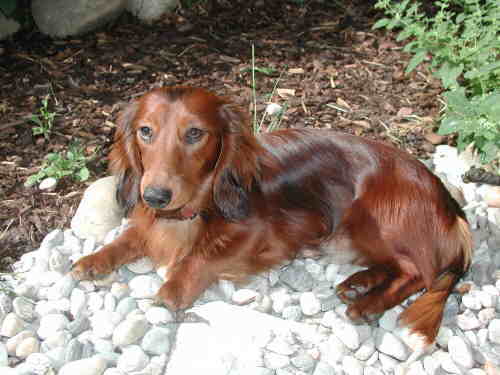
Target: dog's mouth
point(181, 213)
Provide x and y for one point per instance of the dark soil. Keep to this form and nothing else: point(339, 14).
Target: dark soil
point(329, 67)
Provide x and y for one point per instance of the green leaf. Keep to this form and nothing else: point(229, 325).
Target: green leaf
point(490, 152)
point(449, 124)
point(381, 23)
point(449, 74)
point(484, 70)
point(458, 102)
point(83, 174)
point(490, 105)
point(415, 60)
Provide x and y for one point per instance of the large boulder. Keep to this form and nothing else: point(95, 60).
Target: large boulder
point(7, 26)
point(98, 211)
point(149, 11)
point(61, 18)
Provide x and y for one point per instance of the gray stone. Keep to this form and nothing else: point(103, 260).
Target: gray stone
point(145, 286)
point(12, 325)
point(297, 278)
point(388, 343)
point(126, 305)
point(156, 341)
point(51, 323)
point(460, 352)
point(494, 331)
point(59, 18)
point(309, 303)
point(4, 355)
point(159, 315)
point(73, 351)
point(149, 11)
point(141, 266)
point(130, 331)
point(28, 346)
point(24, 308)
point(8, 26)
point(132, 359)
point(98, 211)
point(89, 366)
point(303, 362)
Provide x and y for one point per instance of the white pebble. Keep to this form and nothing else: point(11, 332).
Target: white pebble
point(88, 366)
point(158, 315)
point(51, 323)
point(460, 352)
point(12, 325)
point(132, 359)
point(244, 296)
point(145, 286)
point(309, 303)
point(141, 266)
point(130, 331)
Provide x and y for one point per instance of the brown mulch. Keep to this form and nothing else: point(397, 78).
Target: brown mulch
point(330, 69)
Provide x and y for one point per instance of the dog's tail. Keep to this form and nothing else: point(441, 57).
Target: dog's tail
point(424, 316)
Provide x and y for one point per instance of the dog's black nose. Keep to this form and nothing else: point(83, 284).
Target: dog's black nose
point(157, 197)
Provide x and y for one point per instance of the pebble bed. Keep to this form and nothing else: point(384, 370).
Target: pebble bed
point(53, 324)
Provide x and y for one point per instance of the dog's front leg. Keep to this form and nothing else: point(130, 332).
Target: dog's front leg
point(187, 281)
point(128, 247)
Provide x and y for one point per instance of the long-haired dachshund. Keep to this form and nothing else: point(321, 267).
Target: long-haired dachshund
point(210, 200)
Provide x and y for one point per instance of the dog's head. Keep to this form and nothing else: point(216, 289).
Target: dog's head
point(183, 150)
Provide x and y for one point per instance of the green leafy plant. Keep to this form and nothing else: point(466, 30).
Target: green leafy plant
point(44, 120)
point(476, 120)
point(461, 41)
point(71, 163)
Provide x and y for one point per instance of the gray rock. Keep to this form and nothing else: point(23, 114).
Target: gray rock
point(27, 347)
point(303, 362)
point(73, 351)
point(8, 26)
point(126, 305)
point(62, 288)
point(98, 211)
point(53, 239)
point(292, 313)
point(156, 341)
point(89, 366)
point(130, 331)
point(309, 303)
point(388, 343)
point(145, 286)
point(24, 308)
point(4, 355)
point(275, 361)
point(51, 323)
point(79, 325)
point(12, 325)
point(104, 322)
point(460, 352)
point(159, 315)
point(351, 366)
point(149, 11)
point(39, 363)
point(58, 19)
point(297, 277)
point(141, 266)
point(494, 331)
point(132, 359)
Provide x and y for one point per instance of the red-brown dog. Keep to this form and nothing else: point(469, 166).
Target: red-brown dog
point(210, 200)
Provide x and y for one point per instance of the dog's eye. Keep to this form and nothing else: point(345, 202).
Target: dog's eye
point(145, 132)
point(193, 135)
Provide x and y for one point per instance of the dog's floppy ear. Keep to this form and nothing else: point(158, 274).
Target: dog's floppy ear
point(125, 160)
point(237, 170)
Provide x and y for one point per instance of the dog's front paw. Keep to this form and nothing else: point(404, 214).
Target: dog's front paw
point(170, 296)
point(91, 267)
